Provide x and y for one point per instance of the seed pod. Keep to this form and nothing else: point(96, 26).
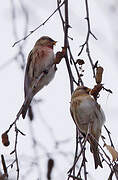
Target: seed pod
point(5, 139)
point(99, 73)
point(80, 61)
point(50, 167)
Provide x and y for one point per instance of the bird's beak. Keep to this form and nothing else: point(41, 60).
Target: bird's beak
point(88, 90)
point(54, 42)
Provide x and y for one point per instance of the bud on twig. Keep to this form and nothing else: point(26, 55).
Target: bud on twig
point(80, 61)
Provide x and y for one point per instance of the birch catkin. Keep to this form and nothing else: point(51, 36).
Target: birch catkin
point(99, 73)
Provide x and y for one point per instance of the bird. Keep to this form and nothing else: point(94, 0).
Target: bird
point(89, 118)
point(40, 70)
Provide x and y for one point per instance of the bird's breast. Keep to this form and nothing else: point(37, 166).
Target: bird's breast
point(43, 58)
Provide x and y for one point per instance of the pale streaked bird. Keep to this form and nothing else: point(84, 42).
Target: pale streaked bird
point(88, 117)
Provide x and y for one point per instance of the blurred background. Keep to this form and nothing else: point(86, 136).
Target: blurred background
point(51, 135)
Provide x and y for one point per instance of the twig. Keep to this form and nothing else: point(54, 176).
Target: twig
point(16, 155)
point(7, 63)
point(76, 149)
point(20, 52)
point(25, 12)
point(108, 132)
point(11, 165)
point(88, 34)
point(34, 84)
point(86, 43)
point(69, 49)
point(110, 164)
point(62, 20)
point(66, 46)
point(83, 164)
point(85, 140)
point(4, 165)
point(80, 82)
point(31, 32)
point(74, 177)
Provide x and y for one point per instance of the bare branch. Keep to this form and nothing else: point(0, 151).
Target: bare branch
point(16, 155)
point(4, 165)
point(109, 134)
point(31, 32)
point(86, 43)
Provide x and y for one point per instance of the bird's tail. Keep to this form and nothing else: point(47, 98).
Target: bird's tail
point(30, 113)
point(25, 107)
point(95, 151)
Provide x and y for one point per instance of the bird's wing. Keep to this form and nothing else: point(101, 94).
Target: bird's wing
point(73, 110)
point(91, 113)
point(28, 73)
point(72, 114)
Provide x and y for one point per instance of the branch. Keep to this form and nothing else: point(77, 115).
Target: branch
point(69, 49)
point(16, 155)
point(82, 149)
point(66, 46)
point(31, 32)
point(4, 165)
point(109, 134)
point(86, 43)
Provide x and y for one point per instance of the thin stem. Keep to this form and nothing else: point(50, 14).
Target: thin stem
point(31, 32)
point(16, 155)
point(66, 46)
point(108, 132)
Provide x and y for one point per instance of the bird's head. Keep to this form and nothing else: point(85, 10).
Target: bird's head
point(81, 91)
point(46, 42)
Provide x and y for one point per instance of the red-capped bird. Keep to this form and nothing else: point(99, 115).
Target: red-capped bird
point(40, 69)
point(88, 115)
